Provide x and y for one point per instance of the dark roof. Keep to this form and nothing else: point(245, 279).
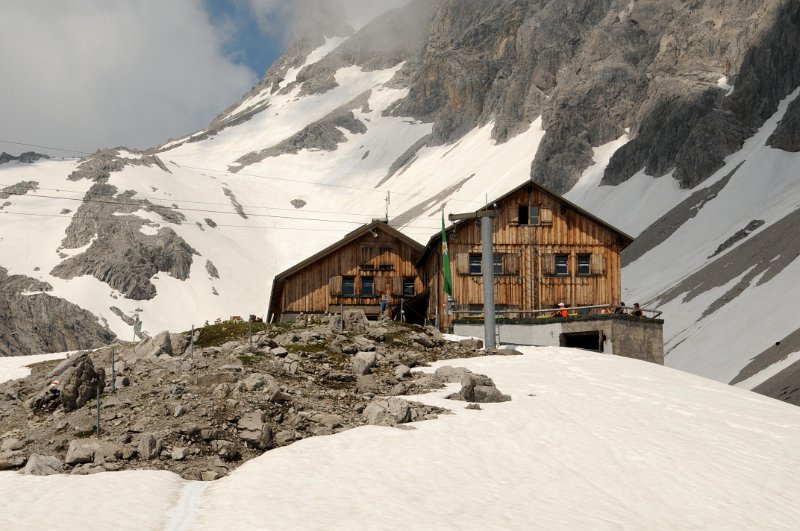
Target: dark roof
point(436, 237)
point(277, 282)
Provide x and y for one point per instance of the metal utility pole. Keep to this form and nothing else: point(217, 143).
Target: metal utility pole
point(487, 268)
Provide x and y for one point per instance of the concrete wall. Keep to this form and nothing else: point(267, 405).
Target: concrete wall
point(633, 337)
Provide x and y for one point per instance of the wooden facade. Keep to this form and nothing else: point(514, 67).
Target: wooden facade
point(547, 250)
point(355, 272)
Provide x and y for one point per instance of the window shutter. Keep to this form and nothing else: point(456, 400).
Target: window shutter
point(545, 216)
point(365, 254)
point(462, 263)
point(336, 286)
point(380, 285)
point(598, 264)
point(511, 264)
point(548, 264)
point(397, 286)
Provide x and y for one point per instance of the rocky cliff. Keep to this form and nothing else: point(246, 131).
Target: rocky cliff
point(32, 321)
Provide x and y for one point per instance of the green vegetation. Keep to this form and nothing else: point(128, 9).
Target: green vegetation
point(219, 334)
point(311, 347)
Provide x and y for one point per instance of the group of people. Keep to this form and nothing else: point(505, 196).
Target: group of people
point(621, 310)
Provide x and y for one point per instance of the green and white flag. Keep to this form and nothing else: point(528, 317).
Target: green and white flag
point(448, 279)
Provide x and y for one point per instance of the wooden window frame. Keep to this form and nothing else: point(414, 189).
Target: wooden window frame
point(367, 281)
point(409, 282)
point(585, 260)
point(561, 259)
point(346, 282)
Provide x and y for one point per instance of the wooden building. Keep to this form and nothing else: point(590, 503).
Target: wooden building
point(353, 273)
point(546, 251)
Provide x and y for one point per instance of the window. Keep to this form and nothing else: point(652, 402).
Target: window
point(409, 288)
point(584, 265)
point(497, 262)
point(348, 286)
point(562, 265)
point(527, 215)
point(476, 268)
point(367, 286)
point(474, 264)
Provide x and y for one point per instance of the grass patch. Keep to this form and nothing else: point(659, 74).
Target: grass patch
point(302, 347)
point(219, 334)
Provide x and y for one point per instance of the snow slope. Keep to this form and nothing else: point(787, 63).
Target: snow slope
point(588, 441)
point(764, 186)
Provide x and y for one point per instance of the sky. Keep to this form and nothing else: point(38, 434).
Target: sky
point(89, 74)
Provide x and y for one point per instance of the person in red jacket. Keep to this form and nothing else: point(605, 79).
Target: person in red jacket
point(561, 312)
point(637, 310)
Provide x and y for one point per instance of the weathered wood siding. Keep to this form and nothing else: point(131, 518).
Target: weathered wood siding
point(309, 290)
point(530, 283)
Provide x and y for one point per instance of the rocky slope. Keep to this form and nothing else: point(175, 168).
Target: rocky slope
point(31, 320)
point(203, 411)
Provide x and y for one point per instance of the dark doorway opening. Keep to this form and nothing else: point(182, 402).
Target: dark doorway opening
point(586, 340)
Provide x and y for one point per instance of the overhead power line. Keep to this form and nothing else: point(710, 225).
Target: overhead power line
point(207, 211)
point(25, 144)
point(281, 179)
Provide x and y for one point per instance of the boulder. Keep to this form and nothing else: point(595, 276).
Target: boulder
point(43, 465)
point(92, 451)
point(363, 362)
point(449, 374)
point(423, 340)
point(254, 431)
point(255, 382)
point(434, 333)
point(471, 343)
point(11, 444)
point(155, 346)
point(227, 450)
point(356, 321)
point(179, 454)
point(11, 460)
point(279, 352)
point(402, 371)
point(479, 388)
point(291, 363)
point(72, 384)
point(387, 412)
point(149, 447)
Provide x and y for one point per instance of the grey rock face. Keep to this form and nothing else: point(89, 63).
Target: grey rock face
point(120, 255)
point(70, 385)
point(787, 134)
point(28, 157)
point(324, 134)
point(32, 324)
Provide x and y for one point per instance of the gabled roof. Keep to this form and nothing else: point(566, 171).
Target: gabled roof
point(277, 283)
point(438, 236)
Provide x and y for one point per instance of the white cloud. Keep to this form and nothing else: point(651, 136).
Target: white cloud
point(88, 74)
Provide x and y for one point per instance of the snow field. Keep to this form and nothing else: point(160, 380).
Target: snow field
point(588, 441)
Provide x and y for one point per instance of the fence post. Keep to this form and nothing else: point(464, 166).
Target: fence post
point(191, 348)
point(250, 331)
point(113, 374)
point(98, 410)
